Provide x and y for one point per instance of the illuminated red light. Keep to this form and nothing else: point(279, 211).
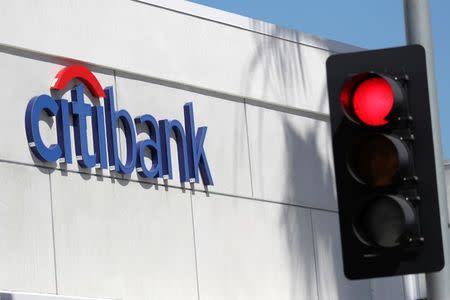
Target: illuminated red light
point(373, 100)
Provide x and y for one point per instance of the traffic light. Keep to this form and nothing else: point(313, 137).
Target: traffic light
point(384, 162)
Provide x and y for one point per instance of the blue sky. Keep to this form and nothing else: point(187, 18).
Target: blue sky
point(368, 24)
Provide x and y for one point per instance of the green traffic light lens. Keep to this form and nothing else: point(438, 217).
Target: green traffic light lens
point(376, 159)
point(385, 221)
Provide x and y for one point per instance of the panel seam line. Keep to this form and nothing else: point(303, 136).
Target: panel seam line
point(315, 255)
point(195, 246)
point(248, 147)
point(53, 232)
point(52, 169)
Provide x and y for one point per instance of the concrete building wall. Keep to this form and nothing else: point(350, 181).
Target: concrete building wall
point(267, 229)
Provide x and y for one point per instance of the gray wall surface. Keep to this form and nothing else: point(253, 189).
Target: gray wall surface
point(267, 229)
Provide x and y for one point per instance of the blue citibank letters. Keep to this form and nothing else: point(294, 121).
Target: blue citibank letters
point(192, 159)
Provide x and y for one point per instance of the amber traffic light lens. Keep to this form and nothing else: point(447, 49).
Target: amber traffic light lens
point(375, 160)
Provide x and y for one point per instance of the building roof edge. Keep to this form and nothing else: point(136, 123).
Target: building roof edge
point(249, 24)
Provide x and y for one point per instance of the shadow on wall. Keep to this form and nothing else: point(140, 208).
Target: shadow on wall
point(288, 71)
point(309, 169)
point(285, 68)
point(270, 59)
point(301, 158)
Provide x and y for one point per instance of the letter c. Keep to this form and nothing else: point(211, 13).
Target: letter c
point(34, 108)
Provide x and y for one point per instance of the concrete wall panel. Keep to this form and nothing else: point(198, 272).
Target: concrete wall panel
point(122, 240)
point(330, 271)
point(26, 248)
point(253, 250)
point(290, 158)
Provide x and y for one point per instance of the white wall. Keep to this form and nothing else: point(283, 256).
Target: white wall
point(267, 229)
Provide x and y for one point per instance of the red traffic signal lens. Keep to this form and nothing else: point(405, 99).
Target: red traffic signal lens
point(370, 99)
point(373, 100)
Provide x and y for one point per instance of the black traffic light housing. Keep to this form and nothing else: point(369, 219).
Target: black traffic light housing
point(384, 162)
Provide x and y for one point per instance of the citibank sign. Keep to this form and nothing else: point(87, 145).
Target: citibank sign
point(192, 159)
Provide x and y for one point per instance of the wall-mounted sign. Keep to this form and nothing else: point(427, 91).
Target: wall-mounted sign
point(192, 159)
